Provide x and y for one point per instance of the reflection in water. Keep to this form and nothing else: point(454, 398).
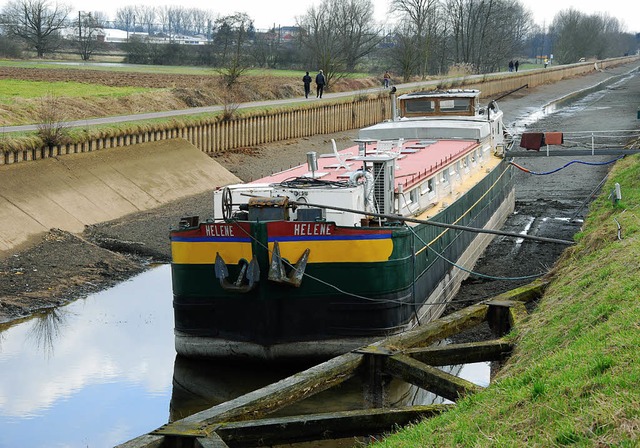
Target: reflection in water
point(94, 373)
point(46, 328)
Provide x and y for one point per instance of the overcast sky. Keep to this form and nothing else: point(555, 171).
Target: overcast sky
point(267, 13)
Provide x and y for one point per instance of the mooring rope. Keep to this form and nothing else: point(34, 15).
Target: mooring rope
point(347, 293)
point(452, 263)
point(526, 170)
point(437, 224)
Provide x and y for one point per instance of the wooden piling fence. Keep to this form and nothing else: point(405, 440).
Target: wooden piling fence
point(409, 356)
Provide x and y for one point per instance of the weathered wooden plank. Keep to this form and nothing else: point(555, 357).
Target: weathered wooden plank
point(517, 314)
point(263, 401)
point(525, 293)
point(268, 399)
point(146, 440)
point(312, 427)
point(430, 378)
point(466, 353)
point(430, 332)
point(212, 441)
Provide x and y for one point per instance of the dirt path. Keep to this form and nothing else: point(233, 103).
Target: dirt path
point(63, 267)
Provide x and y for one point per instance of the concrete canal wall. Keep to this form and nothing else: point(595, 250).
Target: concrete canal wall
point(81, 189)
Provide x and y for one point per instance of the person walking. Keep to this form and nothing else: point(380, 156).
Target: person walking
point(385, 79)
point(516, 65)
point(306, 80)
point(511, 65)
point(320, 82)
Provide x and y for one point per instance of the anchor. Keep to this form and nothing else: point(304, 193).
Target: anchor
point(249, 272)
point(277, 272)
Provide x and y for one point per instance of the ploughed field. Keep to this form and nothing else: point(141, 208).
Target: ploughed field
point(109, 78)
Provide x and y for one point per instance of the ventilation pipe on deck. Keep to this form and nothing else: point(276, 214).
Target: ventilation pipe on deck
point(394, 105)
point(312, 163)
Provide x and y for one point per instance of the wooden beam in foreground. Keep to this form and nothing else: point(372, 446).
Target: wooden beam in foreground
point(212, 441)
point(466, 353)
point(430, 378)
point(263, 401)
point(334, 425)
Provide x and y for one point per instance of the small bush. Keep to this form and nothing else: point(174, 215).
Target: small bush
point(51, 127)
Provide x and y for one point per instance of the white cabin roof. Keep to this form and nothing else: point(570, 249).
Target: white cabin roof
point(454, 93)
point(428, 128)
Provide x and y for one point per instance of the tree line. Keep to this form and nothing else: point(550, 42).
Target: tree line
point(424, 37)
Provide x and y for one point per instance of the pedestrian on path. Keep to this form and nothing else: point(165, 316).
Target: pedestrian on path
point(385, 79)
point(516, 65)
point(306, 80)
point(320, 82)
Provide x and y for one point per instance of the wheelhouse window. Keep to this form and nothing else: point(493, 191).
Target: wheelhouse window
point(419, 106)
point(455, 105)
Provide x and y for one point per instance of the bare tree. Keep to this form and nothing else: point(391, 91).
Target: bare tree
point(201, 21)
point(577, 35)
point(339, 33)
point(357, 33)
point(403, 55)
point(126, 19)
point(86, 35)
point(230, 41)
point(37, 23)
point(266, 48)
point(320, 39)
point(417, 16)
point(146, 16)
point(484, 33)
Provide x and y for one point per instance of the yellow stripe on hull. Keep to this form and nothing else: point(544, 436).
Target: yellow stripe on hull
point(205, 252)
point(345, 251)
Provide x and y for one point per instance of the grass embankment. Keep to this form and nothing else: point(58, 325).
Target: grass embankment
point(574, 379)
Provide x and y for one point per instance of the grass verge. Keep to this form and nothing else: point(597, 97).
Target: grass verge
point(574, 378)
point(13, 88)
